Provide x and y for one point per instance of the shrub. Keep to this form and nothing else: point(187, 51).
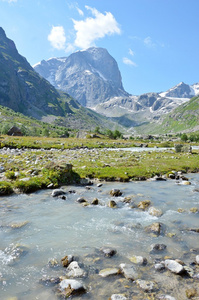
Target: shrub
point(29, 186)
point(5, 188)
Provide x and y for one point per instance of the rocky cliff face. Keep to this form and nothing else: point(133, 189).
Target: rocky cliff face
point(21, 88)
point(91, 76)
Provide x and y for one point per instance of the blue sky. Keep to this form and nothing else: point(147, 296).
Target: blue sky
point(155, 42)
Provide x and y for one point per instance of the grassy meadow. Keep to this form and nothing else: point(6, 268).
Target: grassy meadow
point(31, 163)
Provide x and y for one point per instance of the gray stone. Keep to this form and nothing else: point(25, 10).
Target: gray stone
point(129, 271)
point(197, 259)
point(155, 212)
point(71, 286)
point(166, 297)
point(108, 272)
point(115, 193)
point(159, 266)
point(74, 270)
point(158, 247)
point(81, 200)
point(174, 266)
point(112, 204)
point(118, 297)
point(57, 192)
point(147, 286)
point(139, 260)
point(108, 252)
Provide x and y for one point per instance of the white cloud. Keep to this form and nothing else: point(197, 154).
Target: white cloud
point(148, 42)
point(131, 52)
point(81, 13)
point(129, 62)
point(57, 37)
point(94, 28)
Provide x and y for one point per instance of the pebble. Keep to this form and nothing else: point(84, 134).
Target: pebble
point(174, 266)
point(109, 272)
point(129, 271)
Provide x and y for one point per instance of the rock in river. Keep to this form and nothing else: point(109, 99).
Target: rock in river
point(115, 193)
point(154, 228)
point(118, 297)
point(174, 266)
point(70, 287)
point(108, 272)
point(129, 271)
point(155, 212)
point(108, 252)
point(147, 286)
point(58, 192)
point(74, 270)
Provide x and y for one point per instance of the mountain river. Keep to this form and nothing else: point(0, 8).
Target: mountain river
point(38, 230)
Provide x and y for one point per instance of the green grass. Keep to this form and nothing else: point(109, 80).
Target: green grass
point(49, 161)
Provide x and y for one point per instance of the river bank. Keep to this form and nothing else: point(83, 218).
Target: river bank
point(28, 170)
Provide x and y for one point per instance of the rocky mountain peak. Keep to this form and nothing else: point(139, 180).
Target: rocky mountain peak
point(91, 76)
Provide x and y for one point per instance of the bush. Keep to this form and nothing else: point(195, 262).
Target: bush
point(5, 188)
point(29, 186)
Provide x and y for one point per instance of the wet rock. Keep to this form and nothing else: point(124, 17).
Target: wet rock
point(159, 266)
point(139, 260)
point(57, 192)
point(95, 201)
point(118, 297)
point(109, 272)
point(190, 293)
point(155, 212)
point(115, 193)
point(144, 204)
point(166, 297)
point(189, 271)
point(158, 178)
point(154, 228)
point(158, 247)
point(194, 229)
point(69, 287)
point(66, 260)
point(112, 204)
point(74, 270)
point(181, 210)
point(108, 252)
point(19, 225)
point(147, 286)
point(184, 182)
point(46, 280)
point(85, 181)
point(174, 266)
point(99, 184)
point(53, 263)
point(129, 271)
point(197, 259)
point(63, 197)
point(194, 210)
point(127, 200)
point(81, 200)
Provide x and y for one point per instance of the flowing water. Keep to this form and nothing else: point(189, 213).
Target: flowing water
point(53, 228)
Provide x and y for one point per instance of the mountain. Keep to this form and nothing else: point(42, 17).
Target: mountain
point(24, 90)
point(91, 76)
point(184, 118)
point(21, 88)
point(182, 90)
